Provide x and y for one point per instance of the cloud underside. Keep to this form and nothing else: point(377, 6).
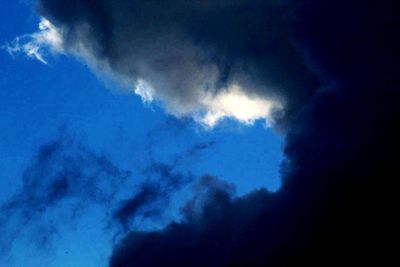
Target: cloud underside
point(204, 101)
point(200, 97)
point(171, 57)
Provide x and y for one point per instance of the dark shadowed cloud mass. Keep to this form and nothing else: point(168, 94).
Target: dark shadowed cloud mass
point(335, 206)
point(332, 65)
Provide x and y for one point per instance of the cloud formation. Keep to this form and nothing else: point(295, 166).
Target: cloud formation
point(63, 180)
point(199, 59)
point(37, 45)
point(337, 200)
point(66, 181)
point(332, 65)
point(155, 193)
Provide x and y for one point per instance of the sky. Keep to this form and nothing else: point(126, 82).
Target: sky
point(221, 134)
point(43, 103)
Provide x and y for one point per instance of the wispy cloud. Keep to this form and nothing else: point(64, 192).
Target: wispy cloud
point(66, 181)
point(162, 181)
point(37, 45)
point(64, 176)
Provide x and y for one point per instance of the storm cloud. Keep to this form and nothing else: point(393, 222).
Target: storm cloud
point(336, 203)
point(332, 65)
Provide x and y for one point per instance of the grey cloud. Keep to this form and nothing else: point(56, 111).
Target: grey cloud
point(186, 49)
point(337, 205)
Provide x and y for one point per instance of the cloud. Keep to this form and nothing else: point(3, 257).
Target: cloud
point(333, 67)
point(64, 179)
point(337, 202)
point(66, 183)
point(162, 180)
point(234, 103)
point(37, 45)
point(212, 231)
point(197, 59)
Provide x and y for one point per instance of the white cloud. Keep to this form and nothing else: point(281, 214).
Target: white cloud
point(144, 90)
point(235, 104)
point(211, 108)
point(38, 44)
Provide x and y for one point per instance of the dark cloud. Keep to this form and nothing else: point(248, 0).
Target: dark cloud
point(337, 204)
point(162, 180)
point(66, 180)
point(146, 195)
point(187, 50)
point(64, 175)
point(153, 195)
point(212, 234)
point(334, 63)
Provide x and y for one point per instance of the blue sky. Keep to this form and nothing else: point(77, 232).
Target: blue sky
point(39, 103)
